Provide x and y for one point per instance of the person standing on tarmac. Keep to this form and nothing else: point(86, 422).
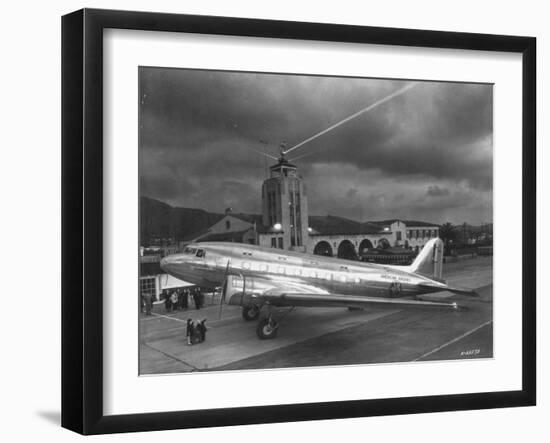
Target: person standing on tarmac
point(185, 299)
point(201, 328)
point(148, 298)
point(196, 298)
point(174, 300)
point(189, 331)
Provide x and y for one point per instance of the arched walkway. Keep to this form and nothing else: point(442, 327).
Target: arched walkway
point(383, 243)
point(323, 248)
point(364, 245)
point(347, 250)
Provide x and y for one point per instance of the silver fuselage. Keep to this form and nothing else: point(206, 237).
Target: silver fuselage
point(311, 273)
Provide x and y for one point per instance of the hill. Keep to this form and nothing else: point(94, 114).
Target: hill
point(159, 220)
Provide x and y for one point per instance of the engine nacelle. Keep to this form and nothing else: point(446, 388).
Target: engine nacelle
point(245, 291)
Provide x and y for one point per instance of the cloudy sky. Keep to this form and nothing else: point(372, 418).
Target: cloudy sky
point(426, 154)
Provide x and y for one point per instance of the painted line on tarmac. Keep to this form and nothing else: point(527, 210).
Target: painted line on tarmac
point(208, 324)
point(153, 316)
point(169, 318)
point(454, 340)
point(194, 368)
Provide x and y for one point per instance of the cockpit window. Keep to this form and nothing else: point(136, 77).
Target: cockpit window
point(201, 253)
point(189, 250)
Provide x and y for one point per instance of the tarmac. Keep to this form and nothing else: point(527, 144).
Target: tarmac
point(327, 336)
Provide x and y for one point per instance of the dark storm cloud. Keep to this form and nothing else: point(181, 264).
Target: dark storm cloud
point(198, 130)
point(436, 191)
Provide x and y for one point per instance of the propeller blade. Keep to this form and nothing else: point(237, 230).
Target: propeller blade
point(224, 289)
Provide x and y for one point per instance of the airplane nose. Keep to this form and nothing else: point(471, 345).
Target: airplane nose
point(167, 262)
point(164, 262)
point(172, 263)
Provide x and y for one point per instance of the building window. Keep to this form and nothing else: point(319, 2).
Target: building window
point(398, 235)
point(273, 242)
point(147, 285)
point(280, 242)
point(227, 224)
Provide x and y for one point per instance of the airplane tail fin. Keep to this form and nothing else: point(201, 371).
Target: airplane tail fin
point(429, 262)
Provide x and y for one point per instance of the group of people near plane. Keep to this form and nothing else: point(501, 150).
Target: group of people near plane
point(178, 299)
point(174, 300)
point(196, 331)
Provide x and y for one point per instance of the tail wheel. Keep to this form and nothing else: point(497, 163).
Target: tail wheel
point(250, 312)
point(267, 328)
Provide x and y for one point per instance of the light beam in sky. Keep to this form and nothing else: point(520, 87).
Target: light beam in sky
point(357, 114)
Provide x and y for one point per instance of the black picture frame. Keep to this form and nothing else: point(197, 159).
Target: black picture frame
point(82, 218)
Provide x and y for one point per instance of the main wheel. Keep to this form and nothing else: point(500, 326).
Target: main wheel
point(266, 329)
point(251, 312)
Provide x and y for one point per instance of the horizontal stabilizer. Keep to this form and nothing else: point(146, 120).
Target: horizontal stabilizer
point(459, 291)
point(462, 291)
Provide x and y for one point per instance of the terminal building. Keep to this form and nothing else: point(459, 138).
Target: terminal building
point(285, 223)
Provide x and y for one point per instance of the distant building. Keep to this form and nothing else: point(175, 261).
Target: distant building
point(285, 223)
point(153, 280)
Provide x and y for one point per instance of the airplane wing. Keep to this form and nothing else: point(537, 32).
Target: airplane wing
point(327, 300)
point(293, 292)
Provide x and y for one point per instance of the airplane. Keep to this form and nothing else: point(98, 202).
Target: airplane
point(253, 277)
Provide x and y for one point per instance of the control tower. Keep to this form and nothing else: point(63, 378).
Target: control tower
point(284, 204)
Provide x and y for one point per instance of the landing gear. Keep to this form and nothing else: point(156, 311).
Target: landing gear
point(251, 312)
point(267, 328)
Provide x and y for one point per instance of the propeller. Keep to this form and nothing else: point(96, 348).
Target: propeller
point(224, 288)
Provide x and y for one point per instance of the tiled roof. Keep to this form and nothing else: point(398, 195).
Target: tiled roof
point(409, 223)
point(249, 218)
point(194, 235)
point(332, 225)
point(235, 236)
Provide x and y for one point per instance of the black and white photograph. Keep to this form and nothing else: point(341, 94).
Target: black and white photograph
point(292, 221)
